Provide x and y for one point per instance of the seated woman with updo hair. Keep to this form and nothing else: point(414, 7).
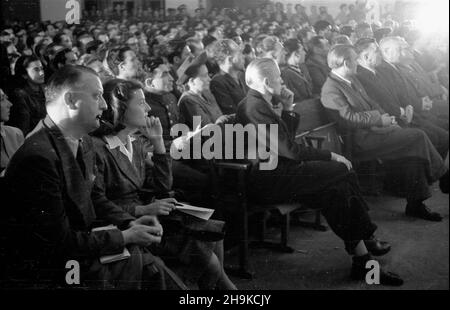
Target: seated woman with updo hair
point(125, 173)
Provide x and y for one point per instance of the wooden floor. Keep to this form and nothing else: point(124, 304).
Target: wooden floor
point(420, 253)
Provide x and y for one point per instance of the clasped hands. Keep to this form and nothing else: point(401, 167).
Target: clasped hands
point(427, 103)
point(146, 229)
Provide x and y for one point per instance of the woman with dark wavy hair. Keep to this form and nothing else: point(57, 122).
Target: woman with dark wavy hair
point(126, 174)
point(28, 97)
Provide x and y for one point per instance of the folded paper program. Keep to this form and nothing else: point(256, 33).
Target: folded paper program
point(202, 213)
point(114, 257)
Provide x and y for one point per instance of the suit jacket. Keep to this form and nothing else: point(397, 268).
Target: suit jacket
point(50, 193)
point(318, 72)
point(192, 105)
point(166, 109)
point(411, 91)
point(119, 182)
point(405, 91)
point(416, 76)
point(390, 99)
point(28, 109)
point(11, 139)
point(254, 109)
point(227, 92)
point(300, 83)
point(351, 107)
point(380, 91)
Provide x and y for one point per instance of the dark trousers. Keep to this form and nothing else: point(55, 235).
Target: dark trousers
point(438, 116)
point(438, 136)
point(422, 163)
point(407, 177)
point(142, 270)
point(191, 183)
point(328, 186)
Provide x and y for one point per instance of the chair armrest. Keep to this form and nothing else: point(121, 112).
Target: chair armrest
point(222, 170)
point(233, 165)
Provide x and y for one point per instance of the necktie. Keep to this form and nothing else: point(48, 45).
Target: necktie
point(80, 159)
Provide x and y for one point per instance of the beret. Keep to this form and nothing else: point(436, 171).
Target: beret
point(190, 69)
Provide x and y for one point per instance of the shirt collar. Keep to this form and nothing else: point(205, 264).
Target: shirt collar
point(342, 78)
point(296, 68)
point(2, 131)
point(155, 96)
point(369, 69)
point(72, 142)
point(391, 64)
point(114, 142)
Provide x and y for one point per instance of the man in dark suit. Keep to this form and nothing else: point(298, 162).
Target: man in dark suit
point(395, 51)
point(227, 86)
point(49, 181)
point(295, 74)
point(317, 62)
point(386, 96)
point(303, 174)
point(376, 134)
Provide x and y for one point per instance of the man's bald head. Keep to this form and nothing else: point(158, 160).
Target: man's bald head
point(263, 75)
point(259, 69)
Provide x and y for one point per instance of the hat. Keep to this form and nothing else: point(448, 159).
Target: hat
point(291, 45)
point(93, 45)
point(200, 26)
point(190, 67)
point(21, 32)
point(208, 40)
point(152, 63)
point(232, 34)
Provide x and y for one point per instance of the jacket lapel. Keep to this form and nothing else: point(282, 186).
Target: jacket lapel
point(125, 166)
point(306, 84)
point(76, 184)
point(352, 92)
point(256, 96)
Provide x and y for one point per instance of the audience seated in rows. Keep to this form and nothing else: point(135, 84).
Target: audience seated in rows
point(323, 179)
point(124, 169)
point(377, 135)
point(391, 99)
point(11, 137)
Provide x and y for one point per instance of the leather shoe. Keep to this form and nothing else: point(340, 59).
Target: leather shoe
point(421, 211)
point(377, 247)
point(359, 272)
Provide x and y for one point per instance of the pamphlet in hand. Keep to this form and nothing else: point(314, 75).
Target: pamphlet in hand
point(202, 213)
point(114, 257)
